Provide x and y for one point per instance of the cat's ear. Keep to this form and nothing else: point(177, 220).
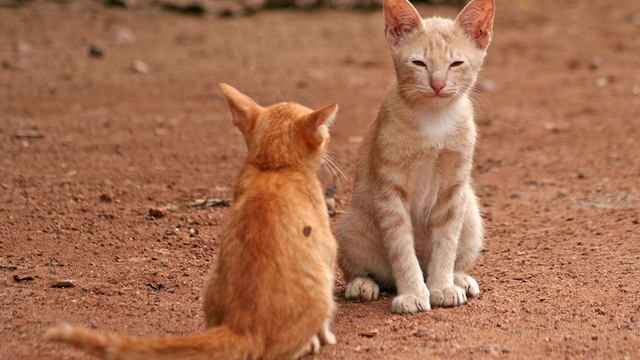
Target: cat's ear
point(243, 109)
point(312, 122)
point(400, 19)
point(476, 20)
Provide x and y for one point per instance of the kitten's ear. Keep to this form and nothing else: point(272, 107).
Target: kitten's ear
point(400, 19)
point(243, 109)
point(476, 20)
point(312, 122)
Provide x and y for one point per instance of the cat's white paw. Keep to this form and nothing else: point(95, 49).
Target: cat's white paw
point(409, 303)
point(467, 283)
point(362, 288)
point(325, 335)
point(311, 348)
point(327, 338)
point(447, 297)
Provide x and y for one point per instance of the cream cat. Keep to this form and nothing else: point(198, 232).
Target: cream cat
point(270, 294)
point(414, 222)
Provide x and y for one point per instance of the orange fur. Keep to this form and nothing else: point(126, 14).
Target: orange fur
point(269, 295)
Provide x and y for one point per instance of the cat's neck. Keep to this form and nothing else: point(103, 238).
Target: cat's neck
point(427, 125)
point(292, 176)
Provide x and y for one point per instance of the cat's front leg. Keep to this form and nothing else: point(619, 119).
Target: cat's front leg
point(445, 227)
point(397, 233)
point(410, 303)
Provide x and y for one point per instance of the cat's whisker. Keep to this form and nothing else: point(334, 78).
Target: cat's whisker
point(339, 172)
point(338, 169)
point(327, 171)
point(478, 96)
point(411, 91)
point(282, 99)
point(333, 168)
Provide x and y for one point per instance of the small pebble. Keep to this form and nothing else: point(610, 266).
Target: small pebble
point(63, 284)
point(140, 67)
point(125, 36)
point(370, 334)
point(157, 212)
point(602, 82)
point(23, 47)
point(96, 51)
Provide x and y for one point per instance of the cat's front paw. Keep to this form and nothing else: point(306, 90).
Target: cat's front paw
point(447, 297)
point(467, 283)
point(325, 335)
point(327, 338)
point(362, 288)
point(312, 347)
point(409, 303)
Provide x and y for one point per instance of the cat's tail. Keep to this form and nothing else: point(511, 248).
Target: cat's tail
point(215, 343)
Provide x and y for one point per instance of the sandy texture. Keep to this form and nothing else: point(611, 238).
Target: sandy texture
point(103, 150)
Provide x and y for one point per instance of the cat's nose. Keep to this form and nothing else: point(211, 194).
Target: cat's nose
point(437, 85)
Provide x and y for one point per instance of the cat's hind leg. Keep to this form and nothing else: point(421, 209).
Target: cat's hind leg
point(362, 288)
point(448, 296)
point(311, 348)
point(358, 257)
point(325, 335)
point(469, 246)
point(466, 283)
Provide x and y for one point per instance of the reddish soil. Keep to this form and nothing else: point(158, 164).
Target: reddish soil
point(99, 163)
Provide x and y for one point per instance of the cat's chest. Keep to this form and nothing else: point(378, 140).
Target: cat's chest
point(423, 178)
point(420, 150)
point(428, 170)
point(425, 134)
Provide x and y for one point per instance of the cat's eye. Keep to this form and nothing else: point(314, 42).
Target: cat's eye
point(419, 63)
point(456, 63)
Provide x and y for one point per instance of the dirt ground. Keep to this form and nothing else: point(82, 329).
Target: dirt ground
point(112, 124)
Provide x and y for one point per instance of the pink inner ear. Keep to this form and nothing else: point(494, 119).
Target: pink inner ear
point(401, 18)
point(243, 109)
point(322, 116)
point(476, 19)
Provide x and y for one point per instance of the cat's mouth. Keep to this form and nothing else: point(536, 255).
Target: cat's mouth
point(440, 95)
point(426, 94)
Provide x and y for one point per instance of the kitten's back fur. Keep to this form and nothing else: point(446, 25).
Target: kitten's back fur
point(269, 295)
point(414, 222)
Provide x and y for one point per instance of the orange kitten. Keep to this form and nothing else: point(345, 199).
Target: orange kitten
point(269, 295)
point(414, 222)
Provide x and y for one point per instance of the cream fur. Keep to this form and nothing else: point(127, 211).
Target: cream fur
point(414, 222)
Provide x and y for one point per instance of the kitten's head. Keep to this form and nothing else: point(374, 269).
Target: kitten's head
point(437, 59)
point(284, 135)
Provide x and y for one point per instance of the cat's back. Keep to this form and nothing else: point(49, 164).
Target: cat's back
point(273, 278)
point(281, 196)
point(273, 210)
point(275, 255)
